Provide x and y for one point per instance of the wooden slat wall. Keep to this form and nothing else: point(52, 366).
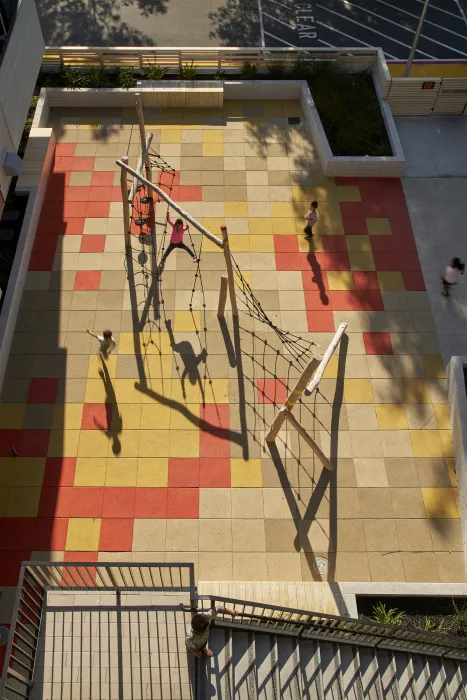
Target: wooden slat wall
point(407, 97)
point(452, 96)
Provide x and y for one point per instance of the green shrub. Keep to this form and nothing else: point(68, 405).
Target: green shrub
point(387, 617)
point(74, 79)
point(430, 625)
point(126, 78)
point(219, 75)
point(301, 69)
point(249, 70)
point(97, 78)
point(276, 71)
point(155, 72)
point(187, 72)
point(460, 617)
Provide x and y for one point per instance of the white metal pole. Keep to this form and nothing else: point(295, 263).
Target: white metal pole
point(413, 50)
point(126, 204)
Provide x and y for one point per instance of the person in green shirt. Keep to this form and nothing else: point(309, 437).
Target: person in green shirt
point(197, 635)
point(106, 343)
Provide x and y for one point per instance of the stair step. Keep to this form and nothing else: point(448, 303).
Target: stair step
point(267, 667)
point(244, 670)
point(289, 668)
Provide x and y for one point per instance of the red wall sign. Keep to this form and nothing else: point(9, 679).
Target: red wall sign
point(428, 86)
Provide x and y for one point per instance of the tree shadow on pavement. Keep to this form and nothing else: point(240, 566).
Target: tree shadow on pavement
point(236, 24)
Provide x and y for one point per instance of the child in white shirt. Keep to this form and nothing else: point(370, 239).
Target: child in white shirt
point(451, 275)
point(311, 218)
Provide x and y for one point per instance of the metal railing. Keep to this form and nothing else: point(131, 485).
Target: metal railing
point(277, 619)
point(220, 58)
point(37, 578)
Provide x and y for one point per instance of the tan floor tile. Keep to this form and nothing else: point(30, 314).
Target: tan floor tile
point(366, 443)
point(149, 535)
point(351, 566)
point(248, 502)
point(401, 472)
point(371, 472)
point(280, 535)
point(421, 416)
point(350, 536)
point(361, 417)
point(440, 502)
point(386, 566)
point(407, 502)
point(446, 534)
point(182, 535)
point(215, 503)
point(415, 391)
point(248, 535)
point(381, 535)
point(391, 417)
point(249, 567)
point(420, 567)
point(215, 566)
point(215, 535)
point(283, 566)
point(375, 503)
point(396, 443)
point(414, 535)
point(451, 567)
point(442, 416)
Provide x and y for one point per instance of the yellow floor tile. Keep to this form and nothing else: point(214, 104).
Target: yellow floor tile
point(28, 471)
point(90, 471)
point(304, 243)
point(358, 391)
point(246, 473)
point(209, 246)
point(121, 471)
point(391, 281)
point(358, 244)
point(158, 366)
point(237, 210)
point(426, 443)
point(284, 226)
point(154, 443)
point(153, 472)
point(378, 226)
point(126, 391)
point(83, 534)
point(23, 502)
point(332, 367)
point(452, 472)
point(127, 343)
point(93, 443)
point(124, 444)
point(187, 392)
point(155, 416)
point(362, 261)
point(95, 391)
point(446, 440)
point(216, 391)
point(154, 390)
point(303, 193)
point(126, 416)
point(4, 496)
point(171, 136)
point(67, 416)
point(240, 243)
point(442, 416)
point(391, 416)
point(213, 224)
point(259, 225)
point(440, 502)
point(184, 443)
point(11, 416)
point(7, 467)
point(340, 280)
point(95, 365)
point(434, 366)
point(415, 391)
point(283, 209)
point(213, 149)
point(348, 193)
point(261, 244)
point(64, 443)
point(187, 321)
point(152, 343)
point(187, 419)
point(213, 136)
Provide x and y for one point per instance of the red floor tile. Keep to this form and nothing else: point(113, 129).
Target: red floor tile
point(183, 472)
point(317, 301)
point(183, 503)
point(118, 502)
point(70, 210)
point(320, 321)
point(83, 164)
point(63, 164)
point(100, 194)
point(28, 443)
point(376, 209)
point(347, 181)
point(215, 415)
point(337, 261)
point(314, 279)
point(377, 343)
point(65, 149)
point(77, 194)
point(82, 575)
point(87, 280)
point(214, 444)
point(116, 194)
point(43, 253)
point(86, 501)
point(92, 244)
point(173, 192)
point(42, 390)
point(400, 243)
point(168, 178)
point(151, 503)
point(271, 390)
point(50, 534)
point(72, 227)
point(17, 533)
point(59, 471)
point(214, 473)
point(351, 210)
point(191, 193)
point(288, 261)
point(313, 262)
point(334, 244)
point(98, 210)
point(104, 179)
point(365, 281)
point(285, 244)
point(81, 556)
point(356, 301)
point(355, 226)
point(116, 535)
point(11, 565)
point(413, 281)
point(55, 502)
point(57, 226)
point(403, 262)
point(96, 416)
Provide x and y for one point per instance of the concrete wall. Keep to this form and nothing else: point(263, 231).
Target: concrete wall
point(458, 413)
point(154, 94)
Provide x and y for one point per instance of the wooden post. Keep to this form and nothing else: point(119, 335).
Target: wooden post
point(293, 397)
point(230, 277)
point(142, 132)
point(309, 440)
point(126, 204)
point(222, 297)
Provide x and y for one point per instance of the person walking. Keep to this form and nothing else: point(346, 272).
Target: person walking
point(311, 218)
point(106, 343)
point(451, 275)
point(176, 239)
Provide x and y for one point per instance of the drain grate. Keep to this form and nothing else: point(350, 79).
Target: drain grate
point(321, 565)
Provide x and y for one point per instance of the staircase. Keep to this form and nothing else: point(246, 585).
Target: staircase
point(251, 665)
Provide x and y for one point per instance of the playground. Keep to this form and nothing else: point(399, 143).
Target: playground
point(164, 451)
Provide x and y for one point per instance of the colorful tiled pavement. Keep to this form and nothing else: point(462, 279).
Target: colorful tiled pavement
point(130, 464)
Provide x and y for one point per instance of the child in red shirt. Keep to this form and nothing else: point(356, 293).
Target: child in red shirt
point(176, 239)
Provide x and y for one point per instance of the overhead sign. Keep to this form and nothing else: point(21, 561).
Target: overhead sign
point(429, 85)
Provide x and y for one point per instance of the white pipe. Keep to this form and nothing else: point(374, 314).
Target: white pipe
point(326, 357)
point(178, 209)
point(139, 167)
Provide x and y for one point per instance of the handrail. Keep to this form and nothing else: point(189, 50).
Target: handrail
point(36, 578)
point(316, 625)
point(174, 205)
